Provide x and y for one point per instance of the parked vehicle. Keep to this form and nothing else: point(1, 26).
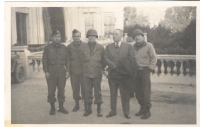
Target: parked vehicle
point(18, 72)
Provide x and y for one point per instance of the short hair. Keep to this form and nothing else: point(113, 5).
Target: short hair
point(120, 30)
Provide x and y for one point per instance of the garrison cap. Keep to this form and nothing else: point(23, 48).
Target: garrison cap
point(75, 31)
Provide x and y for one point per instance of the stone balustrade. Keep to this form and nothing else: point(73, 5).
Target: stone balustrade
point(169, 68)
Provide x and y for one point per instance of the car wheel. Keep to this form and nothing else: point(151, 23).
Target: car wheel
point(19, 73)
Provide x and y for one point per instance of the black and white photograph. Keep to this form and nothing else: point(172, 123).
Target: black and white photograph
point(101, 63)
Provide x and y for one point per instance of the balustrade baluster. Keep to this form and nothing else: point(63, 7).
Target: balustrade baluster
point(156, 69)
point(33, 62)
point(36, 65)
point(38, 62)
point(162, 66)
point(41, 65)
point(175, 67)
point(168, 67)
point(181, 67)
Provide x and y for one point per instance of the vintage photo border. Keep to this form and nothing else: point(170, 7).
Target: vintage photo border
point(7, 48)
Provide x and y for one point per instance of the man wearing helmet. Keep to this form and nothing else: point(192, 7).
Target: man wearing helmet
point(93, 64)
point(146, 59)
point(75, 68)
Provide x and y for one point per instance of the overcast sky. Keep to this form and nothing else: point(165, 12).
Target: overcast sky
point(155, 14)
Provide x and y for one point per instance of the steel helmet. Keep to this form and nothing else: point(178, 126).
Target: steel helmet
point(137, 32)
point(92, 32)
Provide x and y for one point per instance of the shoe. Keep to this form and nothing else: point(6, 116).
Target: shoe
point(87, 113)
point(127, 116)
point(88, 110)
point(52, 112)
point(85, 106)
point(141, 112)
point(63, 110)
point(76, 108)
point(146, 115)
point(99, 113)
point(53, 109)
point(111, 114)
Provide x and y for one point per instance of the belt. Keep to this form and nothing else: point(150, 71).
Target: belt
point(142, 68)
point(57, 64)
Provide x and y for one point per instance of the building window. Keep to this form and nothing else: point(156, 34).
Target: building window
point(21, 23)
point(89, 21)
point(109, 24)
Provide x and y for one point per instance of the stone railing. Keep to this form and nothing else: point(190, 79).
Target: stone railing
point(35, 61)
point(169, 69)
point(178, 69)
point(176, 64)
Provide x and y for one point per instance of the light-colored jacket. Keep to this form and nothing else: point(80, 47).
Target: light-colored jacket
point(145, 55)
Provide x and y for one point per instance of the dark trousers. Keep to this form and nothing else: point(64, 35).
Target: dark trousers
point(89, 84)
point(77, 84)
point(124, 92)
point(143, 88)
point(59, 82)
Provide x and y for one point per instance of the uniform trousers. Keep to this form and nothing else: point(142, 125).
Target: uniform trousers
point(89, 84)
point(57, 80)
point(77, 85)
point(143, 88)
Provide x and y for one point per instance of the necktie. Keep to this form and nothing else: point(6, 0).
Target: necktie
point(117, 45)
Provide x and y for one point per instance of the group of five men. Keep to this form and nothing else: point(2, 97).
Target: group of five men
point(85, 63)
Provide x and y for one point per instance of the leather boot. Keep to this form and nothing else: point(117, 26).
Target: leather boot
point(146, 115)
point(141, 112)
point(76, 107)
point(88, 110)
point(99, 111)
point(85, 105)
point(62, 109)
point(52, 112)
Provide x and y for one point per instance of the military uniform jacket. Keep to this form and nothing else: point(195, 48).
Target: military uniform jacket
point(93, 63)
point(74, 55)
point(54, 55)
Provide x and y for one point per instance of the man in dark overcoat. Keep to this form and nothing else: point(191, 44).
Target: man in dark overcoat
point(114, 53)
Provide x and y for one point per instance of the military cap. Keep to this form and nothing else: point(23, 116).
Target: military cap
point(137, 32)
point(55, 32)
point(75, 31)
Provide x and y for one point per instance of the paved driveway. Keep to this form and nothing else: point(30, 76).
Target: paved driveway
point(172, 104)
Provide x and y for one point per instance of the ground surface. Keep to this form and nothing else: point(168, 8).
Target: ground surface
point(172, 104)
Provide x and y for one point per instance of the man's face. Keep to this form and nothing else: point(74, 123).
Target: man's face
point(91, 38)
point(56, 38)
point(117, 35)
point(77, 37)
point(139, 38)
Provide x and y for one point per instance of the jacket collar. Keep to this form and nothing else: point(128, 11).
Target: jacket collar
point(74, 47)
point(144, 43)
point(57, 45)
point(96, 48)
